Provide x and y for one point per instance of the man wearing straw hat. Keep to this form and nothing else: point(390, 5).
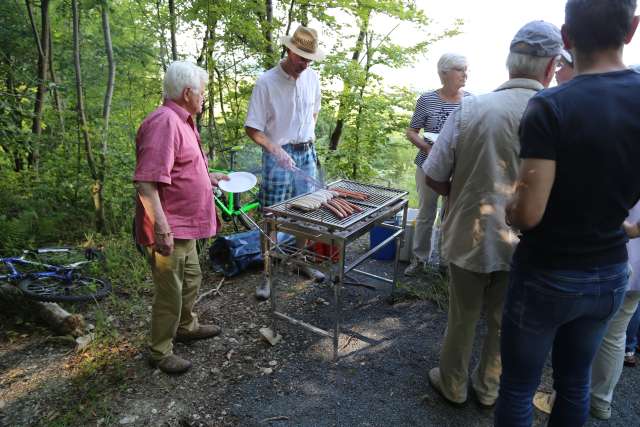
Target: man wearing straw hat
point(281, 119)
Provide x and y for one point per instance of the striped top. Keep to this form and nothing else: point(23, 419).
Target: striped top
point(430, 115)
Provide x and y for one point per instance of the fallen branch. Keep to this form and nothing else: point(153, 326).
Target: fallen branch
point(49, 314)
point(215, 291)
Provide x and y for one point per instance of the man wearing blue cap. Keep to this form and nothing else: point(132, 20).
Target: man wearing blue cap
point(580, 145)
point(475, 163)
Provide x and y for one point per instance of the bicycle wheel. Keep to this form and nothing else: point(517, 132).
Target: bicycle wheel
point(58, 289)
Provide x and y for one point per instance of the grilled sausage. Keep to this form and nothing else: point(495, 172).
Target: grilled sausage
point(353, 194)
point(345, 206)
point(335, 211)
point(339, 208)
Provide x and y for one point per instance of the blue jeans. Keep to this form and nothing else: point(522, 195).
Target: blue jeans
point(566, 311)
point(279, 184)
point(633, 332)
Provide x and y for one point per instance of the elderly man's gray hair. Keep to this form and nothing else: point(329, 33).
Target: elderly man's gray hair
point(449, 61)
point(181, 75)
point(523, 65)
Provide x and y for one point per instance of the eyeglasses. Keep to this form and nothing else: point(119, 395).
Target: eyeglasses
point(562, 64)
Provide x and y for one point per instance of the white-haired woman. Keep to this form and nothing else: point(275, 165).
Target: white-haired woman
point(432, 110)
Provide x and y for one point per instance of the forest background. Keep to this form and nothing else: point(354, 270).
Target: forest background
point(78, 76)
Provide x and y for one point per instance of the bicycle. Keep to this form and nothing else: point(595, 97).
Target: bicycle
point(46, 281)
point(235, 208)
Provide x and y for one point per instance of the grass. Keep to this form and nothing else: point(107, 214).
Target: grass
point(101, 371)
point(435, 289)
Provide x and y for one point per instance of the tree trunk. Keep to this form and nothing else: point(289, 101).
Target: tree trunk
point(334, 140)
point(106, 113)
point(42, 42)
point(163, 41)
point(268, 36)
point(57, 99)
point(108, 96)
point(289, 22)
point(172, 21)
point(16, 114)
point(361, 105)
point(50, 314)
point(96, 189)
point(202, 57)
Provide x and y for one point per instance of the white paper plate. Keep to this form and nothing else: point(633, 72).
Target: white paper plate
point(432, 136)
point(239, 182)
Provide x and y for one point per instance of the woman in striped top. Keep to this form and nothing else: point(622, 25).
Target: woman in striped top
point(432, 110)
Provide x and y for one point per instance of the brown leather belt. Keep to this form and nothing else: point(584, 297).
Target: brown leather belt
point(301, 146)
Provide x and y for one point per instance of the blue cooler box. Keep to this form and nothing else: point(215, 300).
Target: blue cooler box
point(377, 235)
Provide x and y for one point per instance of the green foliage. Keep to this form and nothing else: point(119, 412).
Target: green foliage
point(229, 38)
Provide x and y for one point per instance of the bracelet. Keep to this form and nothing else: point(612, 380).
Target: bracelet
point(168, 233)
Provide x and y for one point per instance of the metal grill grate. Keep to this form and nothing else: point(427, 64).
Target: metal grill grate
point(379, 197)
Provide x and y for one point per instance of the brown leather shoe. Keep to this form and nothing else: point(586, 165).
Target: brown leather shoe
point(171, 364)
point(203, 332)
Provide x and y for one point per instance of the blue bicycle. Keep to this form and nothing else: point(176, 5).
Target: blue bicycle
point(46, 281)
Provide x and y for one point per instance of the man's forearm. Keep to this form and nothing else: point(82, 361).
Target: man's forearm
point(148, 193)
point(259, 138)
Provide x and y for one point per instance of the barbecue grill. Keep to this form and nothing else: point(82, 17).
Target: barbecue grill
point(321, 225)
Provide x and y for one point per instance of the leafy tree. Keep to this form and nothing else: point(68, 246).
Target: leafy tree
point(63, 174)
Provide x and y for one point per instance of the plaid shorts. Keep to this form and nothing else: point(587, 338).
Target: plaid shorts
point(279, 184)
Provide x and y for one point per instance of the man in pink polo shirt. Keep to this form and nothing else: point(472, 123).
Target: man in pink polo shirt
point(174, 208)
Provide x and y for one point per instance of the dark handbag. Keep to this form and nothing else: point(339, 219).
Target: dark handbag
point(235, 253)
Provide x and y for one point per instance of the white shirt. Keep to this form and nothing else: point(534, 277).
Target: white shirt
point(283, 107)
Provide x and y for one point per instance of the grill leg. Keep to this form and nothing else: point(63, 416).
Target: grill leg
point(270, 270)
point(400, 241)
point(337, 300)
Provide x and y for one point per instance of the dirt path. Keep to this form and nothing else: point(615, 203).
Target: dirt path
point(238, 379)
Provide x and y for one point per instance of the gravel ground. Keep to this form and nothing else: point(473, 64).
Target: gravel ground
point(238, 379)
point(381, 381)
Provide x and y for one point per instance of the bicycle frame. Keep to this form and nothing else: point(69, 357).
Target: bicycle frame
point(231, 209)
point(61, 272)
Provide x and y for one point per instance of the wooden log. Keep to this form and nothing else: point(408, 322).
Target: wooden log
point(50, 314)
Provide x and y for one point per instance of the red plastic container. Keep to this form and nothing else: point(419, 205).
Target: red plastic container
point(326, 250)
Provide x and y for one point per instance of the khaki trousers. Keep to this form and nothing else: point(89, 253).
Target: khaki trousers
point(176, 280)
point(467, 293)
point(427, 211)
point(607, 366)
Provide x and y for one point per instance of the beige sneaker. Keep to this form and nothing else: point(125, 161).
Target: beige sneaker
point(263, 291)
point(203, 332)
point(171, 364)
point(600, 413)
point(436, 383)
point(544, 401)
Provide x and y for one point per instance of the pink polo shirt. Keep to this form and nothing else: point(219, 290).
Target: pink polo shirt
point(168, 153)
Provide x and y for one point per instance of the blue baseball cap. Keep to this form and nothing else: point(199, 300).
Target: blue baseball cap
point(538, 38)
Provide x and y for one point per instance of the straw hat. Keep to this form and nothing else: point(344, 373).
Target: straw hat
point(304, 42)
